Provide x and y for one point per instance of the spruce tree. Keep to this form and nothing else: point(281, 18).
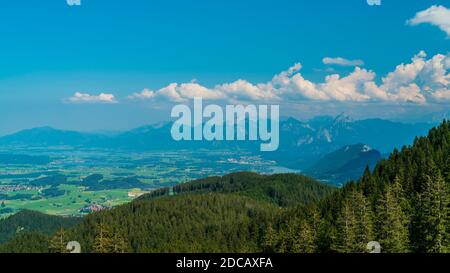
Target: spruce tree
point(104, 240)
point(303, 240)
point(392, 223)
point(270, 240)
point(435, 213)
point(354, 224)
point(120, 243)
point(363, 220)
point(58, 243)
point(345, 237)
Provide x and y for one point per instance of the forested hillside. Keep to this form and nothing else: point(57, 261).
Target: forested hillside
point(217, 214)
point(403, 204)
point(30, 221)
point(281, 189)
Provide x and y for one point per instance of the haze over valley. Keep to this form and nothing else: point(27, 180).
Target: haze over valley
point(72, 173)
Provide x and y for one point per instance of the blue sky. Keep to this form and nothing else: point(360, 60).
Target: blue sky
point(50, 50)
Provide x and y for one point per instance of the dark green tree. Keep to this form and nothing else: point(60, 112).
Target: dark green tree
point(345, 235)
point(391, 222)
point(303, 239)
point(104, 240)
point(434, 210)
point(58, 243)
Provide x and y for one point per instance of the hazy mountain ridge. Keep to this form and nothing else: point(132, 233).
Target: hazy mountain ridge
point(334, 133)
point(347, 163)
point(48, 136)
point(302, 144)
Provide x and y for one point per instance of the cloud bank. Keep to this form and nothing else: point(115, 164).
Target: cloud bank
point(420, 81)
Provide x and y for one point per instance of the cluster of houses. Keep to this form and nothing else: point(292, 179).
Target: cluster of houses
point(19, 187)
point(94, 208)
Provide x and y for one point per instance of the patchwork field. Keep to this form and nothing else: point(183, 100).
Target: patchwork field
point(73, 181)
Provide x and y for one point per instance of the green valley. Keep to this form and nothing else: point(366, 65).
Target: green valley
point(403, 204)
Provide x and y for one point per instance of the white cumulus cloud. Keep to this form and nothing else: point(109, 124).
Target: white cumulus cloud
point(79, 97)
point(420, 81)
point(342, 61)
point(435, 15)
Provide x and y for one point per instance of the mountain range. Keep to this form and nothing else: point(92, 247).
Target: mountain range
point(303, 145)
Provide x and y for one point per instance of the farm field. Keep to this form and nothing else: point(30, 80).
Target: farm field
point(74, 181)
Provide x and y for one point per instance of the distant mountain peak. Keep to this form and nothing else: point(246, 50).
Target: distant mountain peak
point(160, 124)
point(366, 148)
point(346, 163)
point(343, 118)
point(42, 129)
